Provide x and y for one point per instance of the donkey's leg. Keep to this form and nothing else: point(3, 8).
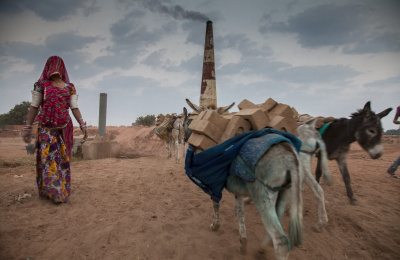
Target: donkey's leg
point(177, 150)
point(318, 170)
point(283, 198)
point(169, 144)
point(239, 209)
point(319, 196)
point(265, 203)
point(215, 225)
point(346, 178)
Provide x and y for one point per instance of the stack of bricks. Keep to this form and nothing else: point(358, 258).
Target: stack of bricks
point(210, 128)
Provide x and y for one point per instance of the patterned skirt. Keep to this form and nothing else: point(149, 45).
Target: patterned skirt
point(53, 172)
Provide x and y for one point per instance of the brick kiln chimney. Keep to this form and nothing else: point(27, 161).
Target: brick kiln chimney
point(208, 94)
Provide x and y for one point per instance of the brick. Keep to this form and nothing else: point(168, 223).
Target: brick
point(236, 125)
point(282, 110)
point(245, 104)
point(207, 128)
point(295, 113)
point(228, 116)
point(212, 116)
point(258, 119)
point(284, 124)
point(193, 115)
point(201, 142)
point(269, 104)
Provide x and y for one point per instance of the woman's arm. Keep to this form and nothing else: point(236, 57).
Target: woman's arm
point(27, 135)
point(396, 120)
point(78, 116)
point(396, 116)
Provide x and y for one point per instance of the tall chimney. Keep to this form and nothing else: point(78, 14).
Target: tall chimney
point(208, 94)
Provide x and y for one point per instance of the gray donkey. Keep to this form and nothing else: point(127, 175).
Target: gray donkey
point(277, 180)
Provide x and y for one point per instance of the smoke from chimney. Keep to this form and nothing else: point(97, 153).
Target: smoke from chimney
point(175, 11)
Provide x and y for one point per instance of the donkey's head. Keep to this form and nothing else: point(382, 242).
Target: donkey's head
point(160, 118)
point(369, 133)
point(199, 109)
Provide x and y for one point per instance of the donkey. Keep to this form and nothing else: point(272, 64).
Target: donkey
point(364, 127)
point(312, 144)
point(172, 135)
point(278, 179)
point(177, 138)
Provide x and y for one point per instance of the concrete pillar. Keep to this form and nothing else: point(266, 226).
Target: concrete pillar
point(102, 114)
point(101, 147)
point(208, 93)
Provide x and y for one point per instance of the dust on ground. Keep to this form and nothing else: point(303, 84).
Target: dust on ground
point(147, 208)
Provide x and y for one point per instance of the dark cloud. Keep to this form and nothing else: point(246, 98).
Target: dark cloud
point(68, 42)
point(50, 10)
point(196, 32)
point(314, 74)
point(247, 47)
point(130, 37)
point(154, 59)
point(194, 65)
point(384, 42)
point(66, 45)
point(283, 72)
point(129, 32)
point(393, 81)
point(358, 27)
point(175, 11)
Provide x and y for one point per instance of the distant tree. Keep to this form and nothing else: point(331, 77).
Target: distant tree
point(146, 121)
point(393, 132)
point(16, 116)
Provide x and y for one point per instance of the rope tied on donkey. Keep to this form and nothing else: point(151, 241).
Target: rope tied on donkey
point(210, 169)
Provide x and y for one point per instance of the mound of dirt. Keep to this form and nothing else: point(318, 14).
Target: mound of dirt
point(135, 141)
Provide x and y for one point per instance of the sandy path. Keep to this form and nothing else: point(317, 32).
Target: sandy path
point(147, 208)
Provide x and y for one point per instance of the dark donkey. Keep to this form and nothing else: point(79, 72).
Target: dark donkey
point(364, 127)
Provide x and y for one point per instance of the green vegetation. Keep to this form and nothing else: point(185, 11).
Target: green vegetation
point(393, 132)
point(145, 121)
point(16, 116)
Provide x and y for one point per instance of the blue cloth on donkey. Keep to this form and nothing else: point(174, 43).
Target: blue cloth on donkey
point(210, 169)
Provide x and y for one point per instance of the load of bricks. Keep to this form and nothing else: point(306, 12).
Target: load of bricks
point(210, 128)
point(321, 121)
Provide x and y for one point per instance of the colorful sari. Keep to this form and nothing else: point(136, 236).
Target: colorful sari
point(54, 137)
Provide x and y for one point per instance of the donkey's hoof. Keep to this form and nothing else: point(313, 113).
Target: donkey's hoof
point(317, 228)
point(247, 200)
point(214, 227)
point(354, 202)
point(243, 245)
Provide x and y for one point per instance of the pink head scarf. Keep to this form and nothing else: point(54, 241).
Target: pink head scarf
point(54, 65)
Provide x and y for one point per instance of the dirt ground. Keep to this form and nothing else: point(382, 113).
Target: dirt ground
point(147, 208)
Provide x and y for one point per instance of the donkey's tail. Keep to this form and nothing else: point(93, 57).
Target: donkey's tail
point(324, 163)
point(296, 207)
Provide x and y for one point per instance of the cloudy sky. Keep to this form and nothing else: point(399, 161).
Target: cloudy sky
point(322, 57)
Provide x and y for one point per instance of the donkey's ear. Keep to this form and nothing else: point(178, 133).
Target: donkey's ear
point(312, 122)
point(193, 106)
point(384, 112)
point(367, 109)
point(185, 111)
point(226, 109)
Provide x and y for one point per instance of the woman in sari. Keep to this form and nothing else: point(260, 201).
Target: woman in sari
point(54, 94)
